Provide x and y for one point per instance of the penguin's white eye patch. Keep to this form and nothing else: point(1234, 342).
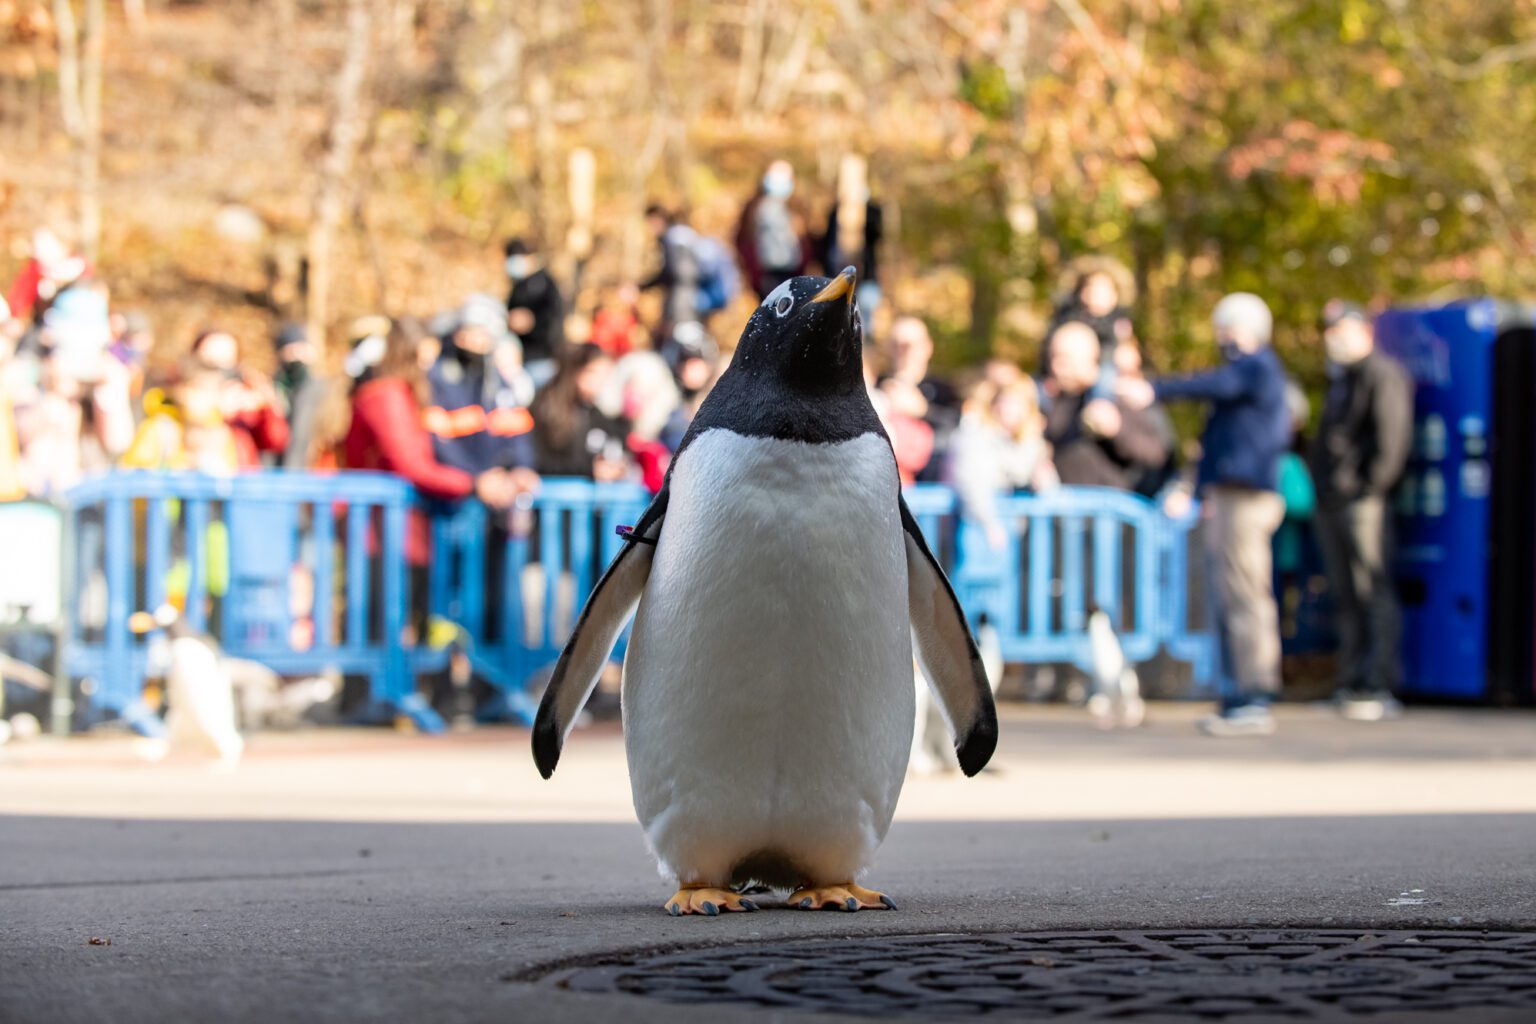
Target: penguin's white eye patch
point(781, 300)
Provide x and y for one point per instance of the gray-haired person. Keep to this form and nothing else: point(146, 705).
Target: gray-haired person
point(1247, 431)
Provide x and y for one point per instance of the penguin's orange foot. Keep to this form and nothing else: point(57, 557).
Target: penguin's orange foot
point(843, 896)
point(707, 900)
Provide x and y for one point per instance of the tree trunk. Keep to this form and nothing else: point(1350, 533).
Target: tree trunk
point(336, 164)
point(80, 74)
point(88, 157)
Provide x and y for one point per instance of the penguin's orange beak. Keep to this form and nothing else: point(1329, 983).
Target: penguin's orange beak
point(840, 288)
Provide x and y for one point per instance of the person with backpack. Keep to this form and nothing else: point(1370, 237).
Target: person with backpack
point(697, 273)
point(678, 273)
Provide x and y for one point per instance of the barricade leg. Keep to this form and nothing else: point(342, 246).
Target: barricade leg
point(121, 683)
point(397, 686)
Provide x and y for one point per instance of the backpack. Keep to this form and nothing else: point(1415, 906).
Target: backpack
point(719, 280)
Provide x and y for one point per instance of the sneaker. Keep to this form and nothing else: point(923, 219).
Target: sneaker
point(1369, 706)
point(1242, 720)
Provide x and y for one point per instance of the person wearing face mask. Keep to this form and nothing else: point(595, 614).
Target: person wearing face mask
point(1246, 433)
point(478, 419)
point(771, 237)
point(535, 310)
point(301, 391)
point(1357, 457)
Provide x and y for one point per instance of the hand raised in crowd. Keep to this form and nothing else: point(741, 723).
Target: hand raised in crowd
point(1177, 503)
point(495, 488)
point(236, 399)
point(1102, 417)
point(607, 471)
point(520, 320)
point(905, 398)
point(249, 392)
point(1135, 392)
point(524, 482)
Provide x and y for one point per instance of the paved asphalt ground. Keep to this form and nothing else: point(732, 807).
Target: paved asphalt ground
point(363, 875)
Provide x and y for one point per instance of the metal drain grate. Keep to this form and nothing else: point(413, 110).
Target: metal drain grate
point(1210, 975)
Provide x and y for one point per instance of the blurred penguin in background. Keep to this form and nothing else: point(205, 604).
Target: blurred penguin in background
point(1114, 697)
point(199, 690)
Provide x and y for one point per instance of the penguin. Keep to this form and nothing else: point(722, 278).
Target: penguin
point(1115, 690)
point(199, 690)
point(779, 584)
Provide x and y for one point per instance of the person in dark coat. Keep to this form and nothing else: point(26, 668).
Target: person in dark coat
point(1096, 296)
point(571, 436)
point(476, 418)
point(835, 253)
point(1246, 433)
point(1357, 457)
point(1097, 442)
point(535, 310)
point(301, 391)
point(677, 274)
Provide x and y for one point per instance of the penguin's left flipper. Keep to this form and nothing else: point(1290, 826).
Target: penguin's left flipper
point(607, 611)
point(948, 652)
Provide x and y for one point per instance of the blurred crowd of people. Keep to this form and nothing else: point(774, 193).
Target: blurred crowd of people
point(489, 397)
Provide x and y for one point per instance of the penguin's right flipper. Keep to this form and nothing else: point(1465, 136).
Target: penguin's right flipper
point(607, 611)
point(948, 652)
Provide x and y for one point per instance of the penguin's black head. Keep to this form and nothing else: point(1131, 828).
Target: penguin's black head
point(808, 334)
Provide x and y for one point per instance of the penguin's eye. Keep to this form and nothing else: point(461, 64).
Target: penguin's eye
point(784, 305)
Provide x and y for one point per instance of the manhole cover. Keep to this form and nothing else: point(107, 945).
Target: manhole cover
point(1211, 975)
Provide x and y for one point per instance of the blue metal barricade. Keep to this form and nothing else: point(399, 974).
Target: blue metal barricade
point(230, 551)
point(1071, 551)
point(536, 564)
point(513, 583)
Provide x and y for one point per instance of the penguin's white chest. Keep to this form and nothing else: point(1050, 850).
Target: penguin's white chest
point(768, 696)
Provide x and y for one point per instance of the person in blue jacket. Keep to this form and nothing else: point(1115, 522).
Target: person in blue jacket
point(479, 421)
point(1246, 433)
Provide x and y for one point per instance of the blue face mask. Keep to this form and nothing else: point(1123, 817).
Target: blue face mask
point(519, 267)
point(779, 186)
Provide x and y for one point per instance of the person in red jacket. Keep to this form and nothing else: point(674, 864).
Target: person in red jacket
point(387, 433)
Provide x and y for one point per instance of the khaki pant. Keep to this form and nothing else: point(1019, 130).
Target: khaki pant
point(1240, 525)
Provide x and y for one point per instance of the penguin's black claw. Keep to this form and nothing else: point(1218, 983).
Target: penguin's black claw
point(710, 909)
point(889, 903)
point(851, 903)
point(805, 904)
point(674, 910)
point(749, 905)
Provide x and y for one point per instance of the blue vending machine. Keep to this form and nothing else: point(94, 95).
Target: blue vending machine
point(1466, 523)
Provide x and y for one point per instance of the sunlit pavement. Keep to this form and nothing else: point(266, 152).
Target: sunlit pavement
point(349, 875)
